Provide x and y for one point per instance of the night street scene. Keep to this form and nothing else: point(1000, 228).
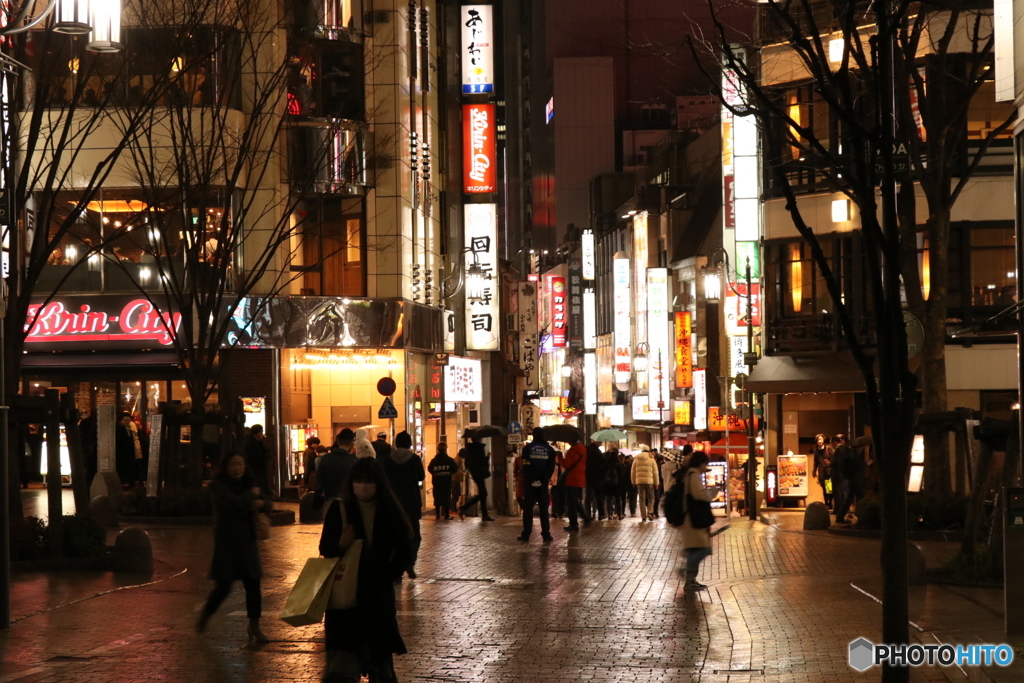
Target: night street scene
point(521, 341)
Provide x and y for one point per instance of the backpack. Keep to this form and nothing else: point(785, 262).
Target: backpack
point(672, 503)
point(611, 474)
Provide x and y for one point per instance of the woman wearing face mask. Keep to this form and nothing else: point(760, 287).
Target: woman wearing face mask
point(236, 557)
point(363, 640)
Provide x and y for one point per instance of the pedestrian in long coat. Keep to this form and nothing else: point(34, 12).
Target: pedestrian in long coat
point(364, 639)
point(236, 556)
point(696, 542)
point(404, 471)
point(441, 469)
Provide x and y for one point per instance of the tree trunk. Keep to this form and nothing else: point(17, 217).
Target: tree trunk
point(937, 469)
point(977, 501)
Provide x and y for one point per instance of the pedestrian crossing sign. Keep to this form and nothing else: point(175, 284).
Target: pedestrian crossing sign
point(387, 410)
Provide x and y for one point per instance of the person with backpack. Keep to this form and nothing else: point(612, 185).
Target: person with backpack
point(538, 465)
point(696, 501)
point(611, 484)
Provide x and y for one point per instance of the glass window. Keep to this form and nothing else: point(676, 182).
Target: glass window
point(993, 266)
point(333, 252)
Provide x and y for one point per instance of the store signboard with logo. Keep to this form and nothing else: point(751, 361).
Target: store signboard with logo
point(623, 319)
point(700, 401)
point(575, 304)
point(481, 239)
point(589, 319)
point(682, 412)
point(605, 368)
point(684, 349)
point(101, 322)
point(463, 380)
point(589, 255)
point(611, 416)
point(793, 475)
point(558, 312)
point(477, 49)
point(736, 307)
point(479, 148)
point(643, 410)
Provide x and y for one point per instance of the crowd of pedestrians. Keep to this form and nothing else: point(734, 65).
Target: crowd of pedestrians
point(373, 492)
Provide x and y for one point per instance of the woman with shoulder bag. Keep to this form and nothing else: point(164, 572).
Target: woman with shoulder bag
point(697, 524)
point(236, 557)
point(364, 639)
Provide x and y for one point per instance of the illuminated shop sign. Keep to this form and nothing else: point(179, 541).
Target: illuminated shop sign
point(463, 380)
point(736, 307)
point(589, 319)
point(477, 49)
point(575, 304)
point(590, 383)
point(479, 165)
point(482, 321)
point(623, 319)
point(700, 393)
point(658, 338)
point(684, 349)
point(527, 326)
point(588, 255)
point(559, 310)
point(100, 322)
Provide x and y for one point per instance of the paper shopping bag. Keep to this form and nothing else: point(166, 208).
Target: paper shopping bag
point(346, 578)
point(308, 599)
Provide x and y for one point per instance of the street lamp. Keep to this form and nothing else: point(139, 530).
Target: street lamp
point(101, 18)
point(475, 282)
point(643, 349)
point(712, 284)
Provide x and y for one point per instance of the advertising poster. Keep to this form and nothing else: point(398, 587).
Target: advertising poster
point(793, 475)
point(717, 475)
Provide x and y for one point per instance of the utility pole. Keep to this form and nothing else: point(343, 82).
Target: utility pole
point(751, 445)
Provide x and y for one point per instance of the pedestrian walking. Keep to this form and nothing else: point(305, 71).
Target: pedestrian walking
point(257, 456)
point(124, 450)
point(612, 484)
point(364, 449)
point(644, 478)
point(309, 463)
point(573, 480)
point(364, 639)
point(627, 492)
point(594, 498)
point(696, 540)
point(538, 466)
point(237, 499)
point(381, 447)
point(333, 468)
point(441, 469)
point(822, 459)
point(668, 469)
point(841, 453)
point(458, 479)
point(404, 471)
point(478, 464)
point(659, 489)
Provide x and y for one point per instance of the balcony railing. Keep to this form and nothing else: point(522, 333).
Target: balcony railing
point(328, 159)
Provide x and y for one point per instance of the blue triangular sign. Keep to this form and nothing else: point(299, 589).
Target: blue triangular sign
point(387, 410)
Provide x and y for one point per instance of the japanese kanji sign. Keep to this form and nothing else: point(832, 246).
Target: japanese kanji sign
point(477, 49)
point(482, 322)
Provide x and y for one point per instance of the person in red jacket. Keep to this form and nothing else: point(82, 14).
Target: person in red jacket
point(574, 473)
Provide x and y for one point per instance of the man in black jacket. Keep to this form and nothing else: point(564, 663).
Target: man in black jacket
point(479, 466)
point(595, 482)
point(334, 468)
point(538, 466)
point(381, 447)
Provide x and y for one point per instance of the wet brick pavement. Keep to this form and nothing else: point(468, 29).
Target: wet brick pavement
point(604, 605)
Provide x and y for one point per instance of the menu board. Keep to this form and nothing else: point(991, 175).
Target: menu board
point(716, 476)
point(793, 475)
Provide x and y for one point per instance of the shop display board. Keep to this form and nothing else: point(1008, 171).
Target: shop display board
point(717, 475)
point(793, 475)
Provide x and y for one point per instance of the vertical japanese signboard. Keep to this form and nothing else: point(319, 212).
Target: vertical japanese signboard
point(658, 338)
point(589, 319)
point(527, 324)
point(479, 164)
point(575, 304)
point(623, 319)
point(700, 399)
point(589, 256)
point(482, 322)
point(558, 311)
point(684, 349)
point(590, 383)
point(477, 49)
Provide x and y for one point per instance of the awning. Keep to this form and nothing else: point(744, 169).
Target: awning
point(836, 372)
point(52, 362)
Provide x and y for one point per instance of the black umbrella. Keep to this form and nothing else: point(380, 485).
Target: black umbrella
point(485, 431)
point(563, 433)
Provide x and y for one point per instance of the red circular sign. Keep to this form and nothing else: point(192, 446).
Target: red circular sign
point(386, 386)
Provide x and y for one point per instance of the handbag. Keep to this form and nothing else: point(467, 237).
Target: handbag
point(346, 574)
point(312, 590)
point(699, 511)
point(262, 526)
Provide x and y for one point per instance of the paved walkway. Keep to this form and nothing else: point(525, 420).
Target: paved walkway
point(604, 605)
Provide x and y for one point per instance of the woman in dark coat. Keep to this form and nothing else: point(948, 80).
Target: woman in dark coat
point(363, 640)
point(404, 471)
point(441, 469)
point(236, 557)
